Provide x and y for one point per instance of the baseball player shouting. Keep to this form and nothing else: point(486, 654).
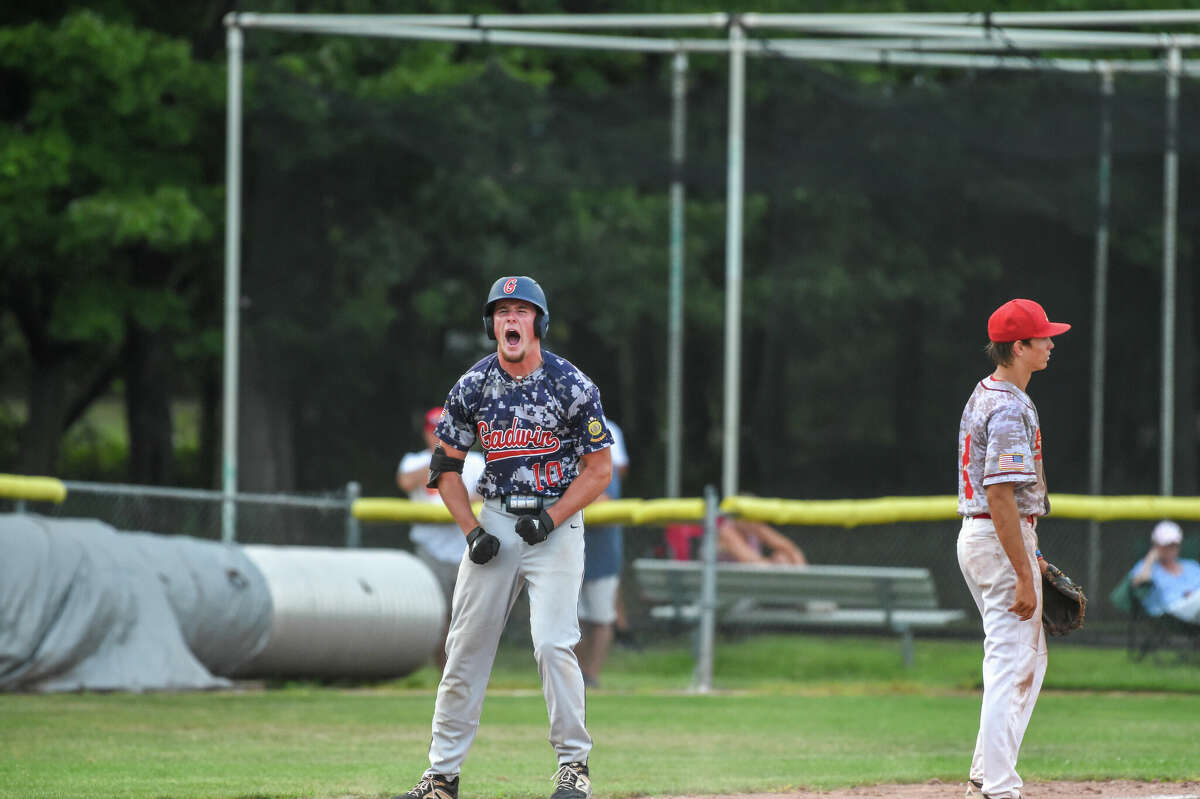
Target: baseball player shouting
point(1001, 494)
point(542, 430)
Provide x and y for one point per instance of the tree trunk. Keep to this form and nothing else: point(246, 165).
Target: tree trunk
point(62, 383)
point(147, 367)
point(41, 438)
point(210, 428)
point(907, 402)
point(1185, 386)
point(266, 451)
point(630, 402)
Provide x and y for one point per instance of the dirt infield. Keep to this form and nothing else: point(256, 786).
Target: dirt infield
point(936, 789)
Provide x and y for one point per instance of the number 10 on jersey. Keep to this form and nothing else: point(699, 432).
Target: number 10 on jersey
point(548, 475)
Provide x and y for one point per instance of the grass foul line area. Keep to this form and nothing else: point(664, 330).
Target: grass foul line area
point(790, 712)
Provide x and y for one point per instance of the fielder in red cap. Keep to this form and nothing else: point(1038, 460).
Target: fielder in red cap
point(1001, 496)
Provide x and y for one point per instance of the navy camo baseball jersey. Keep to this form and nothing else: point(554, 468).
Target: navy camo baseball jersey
point(1000, 441)
point(533, 430)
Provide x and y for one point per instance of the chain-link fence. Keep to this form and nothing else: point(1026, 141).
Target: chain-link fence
point(888, 211)
point(292, 520)
point(327, 520)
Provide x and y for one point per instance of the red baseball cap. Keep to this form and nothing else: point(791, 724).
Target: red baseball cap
point(1021, 319)
point(432, 417)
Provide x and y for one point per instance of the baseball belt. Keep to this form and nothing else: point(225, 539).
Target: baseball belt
point(1031, 519)
point(518, 504)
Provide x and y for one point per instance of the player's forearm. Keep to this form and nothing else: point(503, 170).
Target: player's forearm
point(1014, 547)
point(1002, 505)
point(583, 490)
point(458, 502)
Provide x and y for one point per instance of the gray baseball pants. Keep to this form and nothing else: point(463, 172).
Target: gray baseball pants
point(483, 599)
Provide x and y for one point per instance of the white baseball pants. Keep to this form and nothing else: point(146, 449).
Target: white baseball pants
point(1014, 653)
point(483, 599)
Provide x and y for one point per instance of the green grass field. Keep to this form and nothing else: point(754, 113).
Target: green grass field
point(790, 711)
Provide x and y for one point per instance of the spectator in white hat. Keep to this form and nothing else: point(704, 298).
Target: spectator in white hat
point(1175, 581)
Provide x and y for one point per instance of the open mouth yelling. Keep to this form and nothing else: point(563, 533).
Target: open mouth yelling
point(512, 337)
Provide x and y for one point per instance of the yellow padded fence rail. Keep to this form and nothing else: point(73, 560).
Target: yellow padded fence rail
point(617, 511)
point(36, 489)
point(383, 509)
point(814, 512)
point(842, 512)
point(783, 512)
point(889, 510)
point(1103, 509)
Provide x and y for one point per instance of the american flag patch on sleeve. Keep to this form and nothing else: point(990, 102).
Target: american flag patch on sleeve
point(1013, 462)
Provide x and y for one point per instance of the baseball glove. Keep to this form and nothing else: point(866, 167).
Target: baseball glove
point(1063, 602)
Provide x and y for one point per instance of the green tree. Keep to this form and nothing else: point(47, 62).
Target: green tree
point(106, 221)
point(388, 182)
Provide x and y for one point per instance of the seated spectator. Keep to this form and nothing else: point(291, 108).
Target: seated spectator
point(681, 542)
point(1175, 581)
point(744, 541)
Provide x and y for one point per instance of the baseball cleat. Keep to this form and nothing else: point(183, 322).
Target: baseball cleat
point(433, 786)
point(571, 781)
point(975, 788)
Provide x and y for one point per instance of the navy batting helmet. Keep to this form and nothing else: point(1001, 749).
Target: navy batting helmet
point(517, 288)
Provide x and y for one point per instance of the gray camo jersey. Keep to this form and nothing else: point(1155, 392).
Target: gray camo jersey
point(1000, 441)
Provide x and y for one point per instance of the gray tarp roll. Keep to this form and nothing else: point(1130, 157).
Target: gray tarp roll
point(363, 613)
point(83, 607)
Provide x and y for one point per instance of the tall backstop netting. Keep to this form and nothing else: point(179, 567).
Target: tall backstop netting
point(888, 210)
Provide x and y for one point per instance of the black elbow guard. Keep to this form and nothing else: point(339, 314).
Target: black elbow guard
point(441, 462)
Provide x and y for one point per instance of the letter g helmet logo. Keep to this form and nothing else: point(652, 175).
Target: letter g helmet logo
point(518, 288)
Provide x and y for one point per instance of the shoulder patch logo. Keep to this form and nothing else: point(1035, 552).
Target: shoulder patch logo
point(595, 430)
point(1012, 462)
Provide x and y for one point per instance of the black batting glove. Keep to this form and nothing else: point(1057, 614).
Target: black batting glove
point(482, 546)
point(535, 529)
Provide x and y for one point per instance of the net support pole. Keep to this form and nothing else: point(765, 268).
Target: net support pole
point(353, 528)
point(233, 227)
point(679, 69)
point(1170, 207)
point(1100, 321)
point(706, 633)
point(733, 255)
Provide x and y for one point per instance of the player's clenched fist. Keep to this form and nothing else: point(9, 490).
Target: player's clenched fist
point(482, 546)
point(534, 529)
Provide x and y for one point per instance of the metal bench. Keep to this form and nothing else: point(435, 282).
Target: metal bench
point(899, 600)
